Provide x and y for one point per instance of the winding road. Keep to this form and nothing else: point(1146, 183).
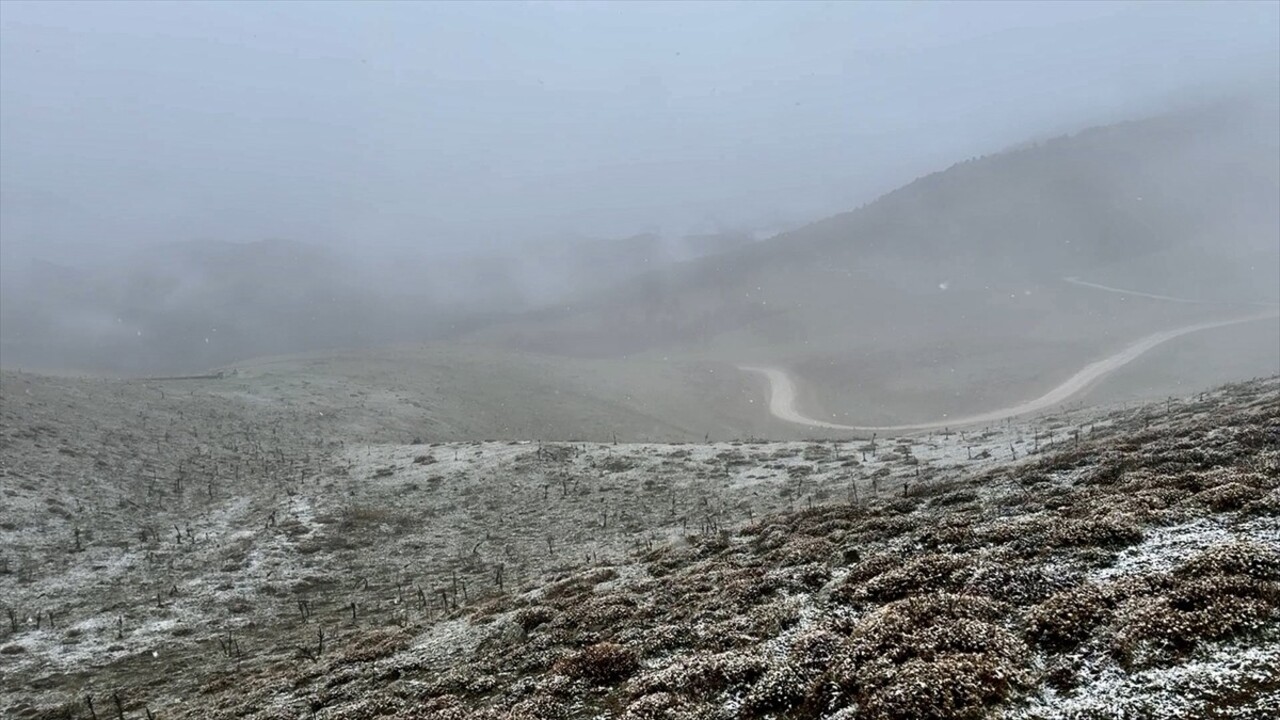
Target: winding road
point(1166, 298)
point(782, 389)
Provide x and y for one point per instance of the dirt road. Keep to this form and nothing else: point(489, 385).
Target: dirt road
point(1166, 298)
point(782, 390)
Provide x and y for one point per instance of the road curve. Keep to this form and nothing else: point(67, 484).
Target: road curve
point(782, 390)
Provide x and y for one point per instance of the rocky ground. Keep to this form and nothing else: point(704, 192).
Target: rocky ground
point(184, 554)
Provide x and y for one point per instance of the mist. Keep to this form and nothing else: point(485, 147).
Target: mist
point(636, 360)
point(418, 169)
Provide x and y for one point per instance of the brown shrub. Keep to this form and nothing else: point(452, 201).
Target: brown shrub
point(929, 573)
point(745, 587)
point(1224, 592)
point(1112, 531)
point(1156, 630)
point(1026, 535)
point(952, 498)
point(531, 617)
point(577, 585)
point(600, 664)
point(659, 706)
point(601, 612)
point(801, 578)
point(815, 648)
point(703, 675)
point(772, 619)
point(1070, 617)
point(781, 688)
point(656, 640)
point(952, 687)
point(1006, 579)
point(887, 527)
point(1266, 506)
point(375, 644)
point(804, 549)
point(870, 567)
point(1228, 496)
point(1250, 559)
point(935, 656)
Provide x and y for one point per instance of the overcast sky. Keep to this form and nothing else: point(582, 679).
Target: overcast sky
point(471, 125)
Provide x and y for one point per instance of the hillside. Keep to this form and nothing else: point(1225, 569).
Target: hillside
point(189, 306)
point(960, 291)
point(1183, 204)
point(206, 557)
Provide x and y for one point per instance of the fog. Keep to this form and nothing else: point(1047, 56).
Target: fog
point(411, 137)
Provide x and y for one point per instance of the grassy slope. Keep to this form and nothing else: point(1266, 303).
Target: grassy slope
point(1137, 568)
point(466, 392)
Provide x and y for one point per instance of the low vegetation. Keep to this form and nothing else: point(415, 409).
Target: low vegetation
point(1131, 565)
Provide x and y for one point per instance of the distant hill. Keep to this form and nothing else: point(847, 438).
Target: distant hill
point(1197, 184)
point(187, 306)
point(1183, 204)
point(554, 270)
